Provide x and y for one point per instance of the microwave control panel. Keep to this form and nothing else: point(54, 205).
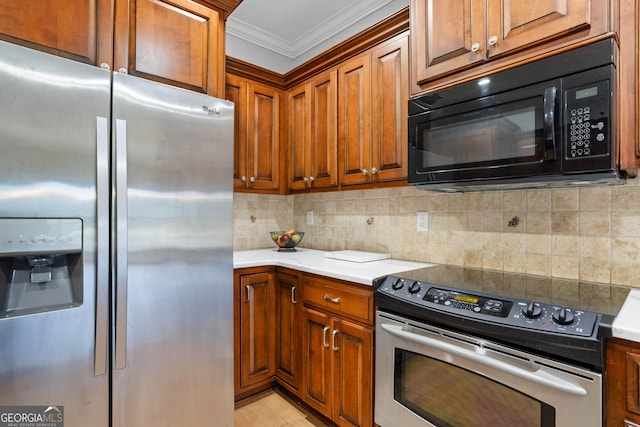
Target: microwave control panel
point(587, 121)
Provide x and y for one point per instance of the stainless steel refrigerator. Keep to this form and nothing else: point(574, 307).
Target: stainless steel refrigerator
point(115, 246)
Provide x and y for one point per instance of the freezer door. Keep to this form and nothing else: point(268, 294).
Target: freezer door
point(173, 318)
point(53, 116)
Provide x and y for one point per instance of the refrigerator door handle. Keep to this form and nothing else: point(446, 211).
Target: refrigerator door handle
point(121, 246)
point(102, 237)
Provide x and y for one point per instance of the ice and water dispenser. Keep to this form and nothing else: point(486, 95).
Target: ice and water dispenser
point(40, 265)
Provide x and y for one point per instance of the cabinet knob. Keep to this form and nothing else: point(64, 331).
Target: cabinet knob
point(311, 179)
point(252, 179)
point(304, 179)
point(493, 40)
point(374, 171)
point(475, 47)
point(243, 178)
point(364, 171)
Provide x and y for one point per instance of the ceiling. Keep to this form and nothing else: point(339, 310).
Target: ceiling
point(279, 35)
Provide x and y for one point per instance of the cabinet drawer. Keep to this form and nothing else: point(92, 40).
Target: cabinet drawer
point(339, 297)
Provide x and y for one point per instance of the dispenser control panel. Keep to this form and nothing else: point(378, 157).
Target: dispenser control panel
point(25, 236)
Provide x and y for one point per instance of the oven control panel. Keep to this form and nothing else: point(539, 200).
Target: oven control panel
point(442, 300)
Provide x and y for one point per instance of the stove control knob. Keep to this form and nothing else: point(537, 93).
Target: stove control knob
point(397, 284)
point(532, 311)
point(414, 288)
point(563, 316)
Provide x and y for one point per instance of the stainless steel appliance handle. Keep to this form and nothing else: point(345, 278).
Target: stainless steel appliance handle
point(550, 100)
point(102, 239)
point(538, 376)
point(121, 246)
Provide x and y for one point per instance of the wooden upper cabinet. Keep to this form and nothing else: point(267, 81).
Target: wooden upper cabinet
point(629, 84)
point(354, 118)
point(256, 135)
point(389, 110)
point(312, 133)
point(179, 43)
point(448, 37)
point(443, 33)
point(373, 92)
point(81, 30)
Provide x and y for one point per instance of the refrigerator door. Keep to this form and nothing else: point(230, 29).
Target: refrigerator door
point(172, 219)
point(53, 117)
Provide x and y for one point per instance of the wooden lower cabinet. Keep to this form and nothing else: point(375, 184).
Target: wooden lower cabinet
point(288, 330)
point(622, 383)
point(337, 349)
point(337, 368)
point(255, 338)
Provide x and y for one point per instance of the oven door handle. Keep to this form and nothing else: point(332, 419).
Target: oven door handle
point(538, 376)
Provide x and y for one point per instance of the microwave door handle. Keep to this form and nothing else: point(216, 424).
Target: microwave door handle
point(550, 99)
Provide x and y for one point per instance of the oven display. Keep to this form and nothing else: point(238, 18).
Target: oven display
point(466, 298)
point(474, 303)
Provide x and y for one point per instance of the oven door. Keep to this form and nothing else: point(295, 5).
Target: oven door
point(513, 134)
point(427, 376)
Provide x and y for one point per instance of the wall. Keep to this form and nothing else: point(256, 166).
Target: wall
point(591, 234)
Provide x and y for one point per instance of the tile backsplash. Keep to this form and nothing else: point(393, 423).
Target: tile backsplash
point(590, 234)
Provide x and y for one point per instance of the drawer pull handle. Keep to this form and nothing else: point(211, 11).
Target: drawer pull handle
point(324, 337)
point(335, 300)
point(333, 340)
point(248, 293)
point(293, 295)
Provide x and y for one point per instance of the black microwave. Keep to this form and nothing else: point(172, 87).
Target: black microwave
point(543, 123)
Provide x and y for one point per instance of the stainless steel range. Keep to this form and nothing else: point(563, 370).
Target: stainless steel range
point(460, 347)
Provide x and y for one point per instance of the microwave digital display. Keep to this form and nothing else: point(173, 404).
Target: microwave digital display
point(587, 93)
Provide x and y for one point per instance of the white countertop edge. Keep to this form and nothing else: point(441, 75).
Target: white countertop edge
point(626, 325)
point(313, 261)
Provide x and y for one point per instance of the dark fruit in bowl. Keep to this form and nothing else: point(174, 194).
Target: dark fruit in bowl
point(286, 239)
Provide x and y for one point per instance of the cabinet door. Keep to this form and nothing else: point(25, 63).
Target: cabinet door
point(354, 120)
point(515, 24)
point(299, 136)
point(352, 347)
point(622, 383)
point(81, 30)
point(312, 133)
point(317, 384)
point(629, 98)
point(322, 154)
point(236, 92)
point(443, 34)
point(288, 330)
point(389, 110)
point(257, 328)
point(179, 43)
point(263, 137)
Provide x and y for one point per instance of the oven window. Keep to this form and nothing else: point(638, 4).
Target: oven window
point(503, 134)
point(450, 396)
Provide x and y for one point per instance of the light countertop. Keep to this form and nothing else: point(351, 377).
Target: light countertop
point(314, 261)
point(627, 323)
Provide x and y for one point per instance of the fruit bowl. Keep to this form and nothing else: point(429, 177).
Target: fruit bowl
point(287, 240)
